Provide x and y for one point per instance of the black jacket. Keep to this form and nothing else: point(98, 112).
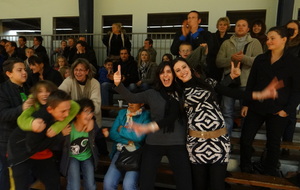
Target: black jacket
point(48, 74)
point(23, 144)
point(287, 68)
point(10, 108)
point(129, 69)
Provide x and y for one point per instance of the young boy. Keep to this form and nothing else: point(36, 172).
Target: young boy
point(80, 152)
point(13, 100)
point(106, 81)
point(29, 152)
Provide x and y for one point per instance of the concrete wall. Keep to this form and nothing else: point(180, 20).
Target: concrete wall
point(46, 10)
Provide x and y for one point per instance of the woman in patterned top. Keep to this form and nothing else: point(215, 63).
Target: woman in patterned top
point(208, 143)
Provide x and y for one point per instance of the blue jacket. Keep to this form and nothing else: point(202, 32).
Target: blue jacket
point(125, 134)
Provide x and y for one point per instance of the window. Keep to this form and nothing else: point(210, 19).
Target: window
point(250, 15)
point(171, 22)
point(21, 26)
point(66, 25)
point(298, 14)
point(126, 21)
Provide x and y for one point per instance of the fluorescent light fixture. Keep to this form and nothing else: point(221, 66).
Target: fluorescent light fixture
point(64, 29)
point(29, 31)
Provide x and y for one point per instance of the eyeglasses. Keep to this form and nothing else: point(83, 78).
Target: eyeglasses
point(79, 70)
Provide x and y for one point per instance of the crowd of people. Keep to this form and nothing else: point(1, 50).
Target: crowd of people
point(51, 115)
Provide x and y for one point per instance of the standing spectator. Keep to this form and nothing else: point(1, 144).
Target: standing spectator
point(258, 30)
point(129, 69)
point(241, 47)
point(115, 40)
point(70, 50)
point(277, 62)
point(106, 80)
point(13, 96)
point(148, 45)
point(22, 47)
point(122, 136)
point(146, 70)
point(39, 49)
point(42, 71)
point(84, 52)
point(79, 152)
point(293, 46)
point(223, 25)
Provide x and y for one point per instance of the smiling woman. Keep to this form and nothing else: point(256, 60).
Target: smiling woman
point(81, 84)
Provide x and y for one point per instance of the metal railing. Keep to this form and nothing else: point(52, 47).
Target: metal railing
point(161, 43)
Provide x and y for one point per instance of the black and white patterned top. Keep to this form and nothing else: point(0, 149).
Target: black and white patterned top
point(204, 115)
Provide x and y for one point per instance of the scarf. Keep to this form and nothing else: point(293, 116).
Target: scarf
point(85, 92)
point(130, 114)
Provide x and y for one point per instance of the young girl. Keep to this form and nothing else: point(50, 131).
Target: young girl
point(60, 62)
point(80, 154)
point(121, 135)
point(65, 71)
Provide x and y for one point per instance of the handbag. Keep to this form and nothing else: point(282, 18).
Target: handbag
point(129, 161)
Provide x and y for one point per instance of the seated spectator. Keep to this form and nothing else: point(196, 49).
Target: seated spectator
point(84, 52)
point(3, 42)
point(60, 50)
point(65, 71)
point(11, 50)
point(167, 57)
point(146, 70)
point(60, 62)
point(122, 136)
point(115, 40)
point(258, 30)
point(42, 71)
point(28, 52)
point(70, 50)
point(105, 75)
point(148, 45)
point(22, 46)
point(129, 69)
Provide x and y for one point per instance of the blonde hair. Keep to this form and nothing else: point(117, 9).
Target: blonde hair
point(140, 60)
point(56, 65)
point(224, 19)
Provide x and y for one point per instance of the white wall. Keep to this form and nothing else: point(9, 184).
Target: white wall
point(46, 10)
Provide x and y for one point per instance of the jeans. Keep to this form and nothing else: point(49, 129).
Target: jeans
point(228, 110)
point(113, 177)
point(87, 170)
point(4, 177)
point(106, 93)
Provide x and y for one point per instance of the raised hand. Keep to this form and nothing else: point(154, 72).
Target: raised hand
point(118, 76)
point(185, 29)
point(235, 71)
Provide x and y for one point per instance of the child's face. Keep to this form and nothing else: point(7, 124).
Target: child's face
point(67, 73)
point(165, 58)
point(61, 111)
point(61, 62)
point(18, 74)
point(134, 107)
point(42, 95)
point(108, 66)
point(185, 51)
point(85, 116)
point(29, 53)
